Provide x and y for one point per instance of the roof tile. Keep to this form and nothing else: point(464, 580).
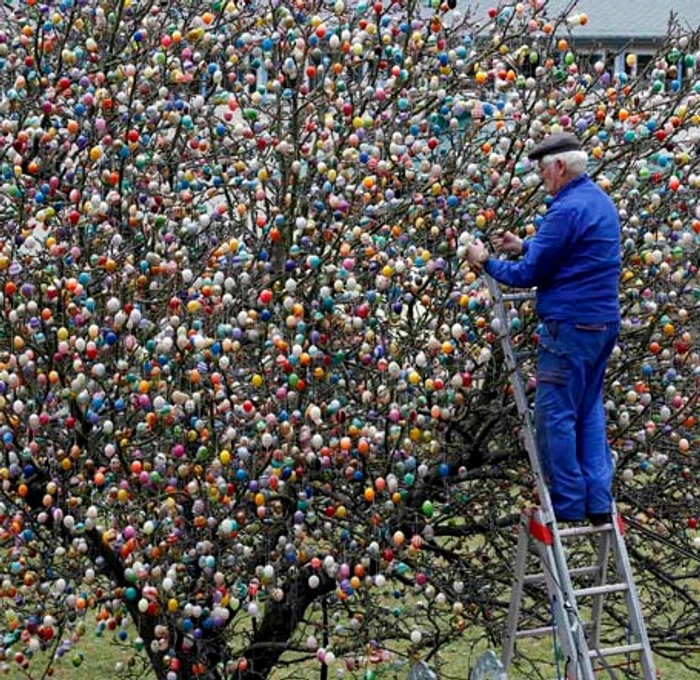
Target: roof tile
point(629, 18)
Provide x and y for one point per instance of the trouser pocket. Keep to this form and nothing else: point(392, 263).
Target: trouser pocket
point(549, 341)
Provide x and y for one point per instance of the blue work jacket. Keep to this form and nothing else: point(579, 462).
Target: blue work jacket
point(574, 258)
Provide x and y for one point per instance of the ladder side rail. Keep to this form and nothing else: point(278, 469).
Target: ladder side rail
point(517, 595)
point(600, 580)
point(521, 400)
point(571, 632)
point(634, 607)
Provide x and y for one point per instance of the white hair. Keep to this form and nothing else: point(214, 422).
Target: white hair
point(574, 161)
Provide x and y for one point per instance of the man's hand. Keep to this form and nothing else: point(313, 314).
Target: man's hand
point(477, 255)
point(507, 242)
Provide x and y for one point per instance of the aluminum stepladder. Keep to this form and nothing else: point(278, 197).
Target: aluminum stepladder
point(579, 641)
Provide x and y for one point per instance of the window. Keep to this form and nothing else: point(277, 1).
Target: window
point(644, 62)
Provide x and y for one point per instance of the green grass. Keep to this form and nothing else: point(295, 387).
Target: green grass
point(98, 658)
point(100, 655)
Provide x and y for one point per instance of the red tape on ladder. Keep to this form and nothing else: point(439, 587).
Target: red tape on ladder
point(620, 525)
point(540, 532)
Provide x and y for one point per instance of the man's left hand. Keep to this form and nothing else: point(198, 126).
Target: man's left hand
point(477, 255)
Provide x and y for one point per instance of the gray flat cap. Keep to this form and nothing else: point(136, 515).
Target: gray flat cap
point(558, 143)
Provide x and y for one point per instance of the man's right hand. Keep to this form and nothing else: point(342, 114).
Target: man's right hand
point(507, 242)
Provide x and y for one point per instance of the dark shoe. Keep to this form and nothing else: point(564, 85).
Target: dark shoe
point(564, 518)
point(598, 519)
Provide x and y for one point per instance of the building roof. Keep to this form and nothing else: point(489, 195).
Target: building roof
point(612, 19)
point(629, 18)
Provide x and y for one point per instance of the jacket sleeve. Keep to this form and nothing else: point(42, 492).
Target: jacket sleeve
point(542, 258)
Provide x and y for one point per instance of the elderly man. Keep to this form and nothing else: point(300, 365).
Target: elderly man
point(574, 260)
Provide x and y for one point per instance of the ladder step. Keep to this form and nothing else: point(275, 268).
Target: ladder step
point(613, 651)
point(602, 590)
point(525, 354)
point(533, 632)
point(585, 530)
point(516, 297)
point(544, 630)
point(578, 571)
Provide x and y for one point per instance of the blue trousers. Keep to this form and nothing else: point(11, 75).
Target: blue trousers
point(570, 416)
